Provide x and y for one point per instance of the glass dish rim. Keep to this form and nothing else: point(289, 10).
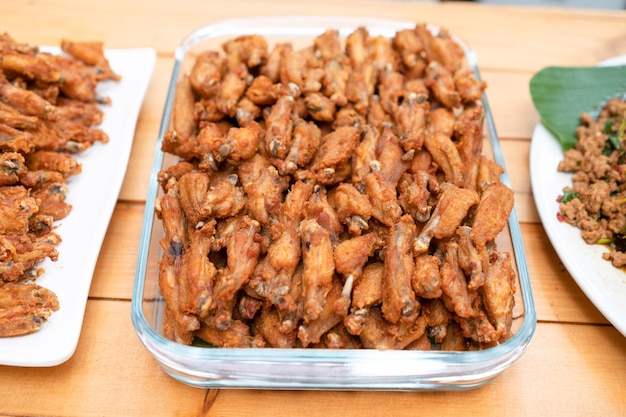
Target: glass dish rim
point(175, 357)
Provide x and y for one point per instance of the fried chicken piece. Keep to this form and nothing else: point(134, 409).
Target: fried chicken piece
point(313, 328)
point(339, 338)
point(264, 195)
point(320, 107)
point(293, 67)
point(468, 128)
point(35, 66)
point(88, 114)
point(426, 278)
point(78, 81)
point(337, 147)
point(180, 138)
point(268, 326)
point(411, 121)
point(492, 213)
point(272, 66)
point(498, 294)
point(361, 85)
point(206, 73)
point(454, 340)
point(452, 207)
point(364, 154)
point(20, 254)
point(328, 45)
point(366, 292)
point(390, 156)
point(51, 200)
point(92, 54)
point(60, 162)
point(390, 89)
point(12, 166)
point(178, 325)
point(441, 82)
point(411, 48)
point(417, 193)
point(15, 140)
point(319, 268)
point(469, 87)
point(13, 118)
point(242, 255)
point(306, 140)
point(223, 198)
point(473, 260)
point(236, 336)
point(382, 195)
point(437, 318)
point(478, 327)
point(488, 172)
point(399, 302)
point(37, 178)
point(192, 190)
point(378, 334)
point(381, 52)
point(279, 127)
point(24, 308)
point(351, 255)
point(441, 48)
point(263, 91)
point(250, 50)
point(283, 256)
point(454, 284)
point(376, 114)
point(231, 90)
point(16, 208)
point(439, 143)
point(195, 285)
point(353, 208)
point(318, 208)
point(336, 74)
point(240, 143)
point(247, 307)
point(27, 102)
point(357, 46)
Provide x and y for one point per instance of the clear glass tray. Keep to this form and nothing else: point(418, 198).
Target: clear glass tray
point(273, 368)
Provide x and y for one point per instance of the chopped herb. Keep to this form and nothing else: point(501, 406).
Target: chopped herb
point(569, 196)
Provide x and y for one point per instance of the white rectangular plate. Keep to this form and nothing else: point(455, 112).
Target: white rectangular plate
point(93, 194)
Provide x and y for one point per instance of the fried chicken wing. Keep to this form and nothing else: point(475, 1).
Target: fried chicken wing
point(492, 213)
point(16, 207)
point(451, 209)
point(399, 301)
point(319, 268)
point(24, 308)
point(92, 54)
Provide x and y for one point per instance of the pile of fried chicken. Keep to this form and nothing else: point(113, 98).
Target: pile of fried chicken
point(333, 196)
point(48, 113)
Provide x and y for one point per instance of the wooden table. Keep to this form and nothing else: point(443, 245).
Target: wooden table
point(576, 364)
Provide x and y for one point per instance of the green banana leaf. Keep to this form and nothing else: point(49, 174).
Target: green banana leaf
point(560, 94)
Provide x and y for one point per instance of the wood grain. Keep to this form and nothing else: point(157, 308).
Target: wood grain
point(576, 362)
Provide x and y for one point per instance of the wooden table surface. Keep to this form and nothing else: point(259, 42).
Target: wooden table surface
point(576, 364)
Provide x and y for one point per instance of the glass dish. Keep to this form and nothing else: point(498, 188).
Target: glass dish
point(273, 368)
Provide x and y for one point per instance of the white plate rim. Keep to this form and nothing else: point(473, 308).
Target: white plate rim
point(83, 230)
point(607, 287)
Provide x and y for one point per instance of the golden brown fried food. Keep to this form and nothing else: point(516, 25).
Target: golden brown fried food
point(24, 308)
point(330, 195)
point(48, 109)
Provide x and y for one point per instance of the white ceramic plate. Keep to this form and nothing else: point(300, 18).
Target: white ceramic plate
point(604, 284)
point(93, 194)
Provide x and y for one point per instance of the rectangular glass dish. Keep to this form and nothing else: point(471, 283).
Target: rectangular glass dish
point(273, 368)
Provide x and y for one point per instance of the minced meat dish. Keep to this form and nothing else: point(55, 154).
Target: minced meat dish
point(596, 201)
